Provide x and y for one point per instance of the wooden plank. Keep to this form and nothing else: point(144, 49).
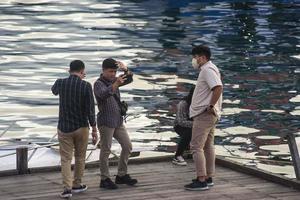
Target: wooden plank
point(156, 181)
point(258, 173)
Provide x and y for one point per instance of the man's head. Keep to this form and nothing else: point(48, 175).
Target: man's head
point(77, 67)
point(109, 67)
point(201, 54)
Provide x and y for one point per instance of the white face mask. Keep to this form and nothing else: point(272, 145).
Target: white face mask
point(195, 64)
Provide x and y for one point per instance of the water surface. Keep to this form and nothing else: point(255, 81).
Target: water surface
point(255, 44)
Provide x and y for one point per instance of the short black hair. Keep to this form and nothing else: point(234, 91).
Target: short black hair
point(109, 63)
point(76, 66)
point(202, 50)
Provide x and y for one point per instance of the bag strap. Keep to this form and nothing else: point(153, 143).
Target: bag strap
point(117, 99)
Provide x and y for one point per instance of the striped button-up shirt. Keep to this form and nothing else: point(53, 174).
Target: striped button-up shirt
point(109, 111)
point(76, 103)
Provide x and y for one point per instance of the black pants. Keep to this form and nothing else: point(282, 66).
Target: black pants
point(185, 139)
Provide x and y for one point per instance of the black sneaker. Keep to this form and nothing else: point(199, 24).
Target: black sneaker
point(197, 185)
point(66, 193)
point(126, 179)
point(79, 189)
point(209, 182)
point(108, 184)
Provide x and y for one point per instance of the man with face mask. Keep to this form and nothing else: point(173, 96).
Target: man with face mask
point(205, 111)
point(110, 122)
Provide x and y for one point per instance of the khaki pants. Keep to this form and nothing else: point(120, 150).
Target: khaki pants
point(77, 140)
point(121, 135)
point(202, 144)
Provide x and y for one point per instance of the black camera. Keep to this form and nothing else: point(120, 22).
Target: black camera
point(127, 76)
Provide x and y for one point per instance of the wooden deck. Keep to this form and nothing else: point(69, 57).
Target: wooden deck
point(160, 180)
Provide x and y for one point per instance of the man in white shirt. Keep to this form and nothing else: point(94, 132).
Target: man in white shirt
point(205, 110)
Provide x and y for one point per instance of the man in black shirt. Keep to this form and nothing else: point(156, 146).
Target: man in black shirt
point(76, 113)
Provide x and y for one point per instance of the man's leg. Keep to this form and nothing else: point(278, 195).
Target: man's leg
point(66, 147)
point(202, 126)
point(122, 137)
point(209, 151)
point(106, 135)
point(185, 139)
point(81, 137)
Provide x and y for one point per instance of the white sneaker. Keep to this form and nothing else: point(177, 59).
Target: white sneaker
point(79, 189)
point(179, 161)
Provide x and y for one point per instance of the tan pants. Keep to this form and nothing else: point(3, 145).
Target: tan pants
point(121, 135)
point(202, 144)
point(77, 140)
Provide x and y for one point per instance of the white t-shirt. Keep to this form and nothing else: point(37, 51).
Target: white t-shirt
point(208, 78)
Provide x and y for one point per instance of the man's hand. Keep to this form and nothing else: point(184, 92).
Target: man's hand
point(94, 136)
point(120, 80)
point(82, 75)
point(210, 109)
point(122, 66)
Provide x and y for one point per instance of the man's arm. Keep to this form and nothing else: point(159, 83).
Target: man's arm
point(182, 115)
point(90, 105)
point(54, 88)
point(102, 91)
point(90, 110)
point(127, 75)
point(120, 81)
point(217, 91)
point(215, 83)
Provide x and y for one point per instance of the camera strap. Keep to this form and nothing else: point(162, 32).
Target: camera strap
point(117, 99)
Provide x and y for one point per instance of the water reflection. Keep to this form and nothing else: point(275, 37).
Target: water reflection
point(255, 44)
point(171, 31)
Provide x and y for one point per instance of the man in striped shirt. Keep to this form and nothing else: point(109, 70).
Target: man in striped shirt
point(110, 121)
point(76, 113)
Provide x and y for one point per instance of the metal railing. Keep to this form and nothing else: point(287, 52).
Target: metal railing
point(22, 151)
point(291, 138)
point(22, 156)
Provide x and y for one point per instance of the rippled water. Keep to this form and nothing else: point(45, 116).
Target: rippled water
point(255, 44)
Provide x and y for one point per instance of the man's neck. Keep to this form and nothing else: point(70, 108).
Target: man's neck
point(75, 74)
point(105, 78)
point(204, 64)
